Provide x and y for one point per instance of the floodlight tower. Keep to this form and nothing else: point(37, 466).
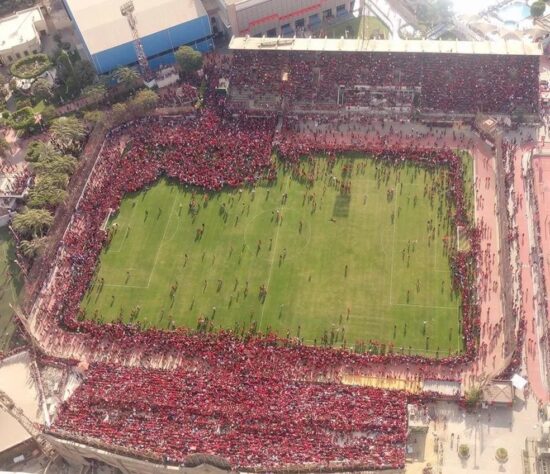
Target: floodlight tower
point(364, 8)
point(127, 10)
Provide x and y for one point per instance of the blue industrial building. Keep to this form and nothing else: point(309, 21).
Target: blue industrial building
point(163, 26)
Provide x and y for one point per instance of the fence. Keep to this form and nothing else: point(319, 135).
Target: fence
point(40, 268)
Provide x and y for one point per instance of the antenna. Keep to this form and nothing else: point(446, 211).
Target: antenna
point(127, 10)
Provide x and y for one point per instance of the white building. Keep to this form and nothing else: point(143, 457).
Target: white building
point(20, 34)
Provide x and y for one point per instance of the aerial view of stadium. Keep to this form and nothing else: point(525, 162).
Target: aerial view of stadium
point(274, 236)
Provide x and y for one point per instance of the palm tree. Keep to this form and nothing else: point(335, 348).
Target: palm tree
point(95, 92)
point(126, 76)
point(32, 222)
point(57, 164)
point(39, 151)
point(47, 193)
point(32, 248)
point(4, 147)
point(67, 132)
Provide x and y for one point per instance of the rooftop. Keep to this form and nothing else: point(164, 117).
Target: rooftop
point(394, 45)
point(18, 28)
point(17, 383)
point(103, 27)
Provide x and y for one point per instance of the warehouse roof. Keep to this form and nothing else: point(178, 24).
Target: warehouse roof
point(103, 27)
point(404, 46)
point(19, 28)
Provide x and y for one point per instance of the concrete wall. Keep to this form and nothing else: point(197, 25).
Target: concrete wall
point(79, 455)
point(158, 47)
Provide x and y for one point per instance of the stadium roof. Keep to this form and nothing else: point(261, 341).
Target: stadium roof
point(397, 46)
point(19, 28)
point(103, 27)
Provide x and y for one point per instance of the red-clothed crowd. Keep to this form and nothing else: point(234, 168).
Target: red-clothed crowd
point(182, 94)
point(451, 83)
point(210, 152)
point(171, 414)
point(249, 420)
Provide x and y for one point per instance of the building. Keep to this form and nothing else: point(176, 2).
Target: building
point(163, 26)
point(20, 35)
point(275, 17)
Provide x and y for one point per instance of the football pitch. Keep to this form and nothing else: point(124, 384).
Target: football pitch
point(332, 256)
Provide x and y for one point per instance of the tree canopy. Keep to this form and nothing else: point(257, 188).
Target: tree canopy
point(67, 132)
point(73, 75)
point(41, 89)
point(144, 101)
point(47, 193)
point(32, 222)
point(119, 113)
point(32, 248)
point(188, 60)
point(95, 92)
point(432, 12)
point(4, 146)
point(126, 76)
point(538, 9)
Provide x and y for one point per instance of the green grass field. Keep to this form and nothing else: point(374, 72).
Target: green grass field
point(10, 286)
point(336, 267)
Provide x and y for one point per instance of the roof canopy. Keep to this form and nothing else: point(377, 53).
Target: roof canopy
point(18, 29)
point(397, 46)
point(103, 27)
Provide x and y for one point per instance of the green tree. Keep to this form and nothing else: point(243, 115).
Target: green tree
point(46, 194)
point(47, 114)
point(84, 73)
point(143, 102)
point(64, 66)
point(501, 455)
point(55, 165)
point(537, 9)
point(473, 397)
point(67, 132)
point(51, 180)
point(188, 60)
point(119, 113)
point(32, 248)
point(4, 147)
point(38, 150)
point(95, 92)
point(94, 116)
point(126, 76)
point(432, 12)
point(464, 451)
point(32, 223)
point(41, 89)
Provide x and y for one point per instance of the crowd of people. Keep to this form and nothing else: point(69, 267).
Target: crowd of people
point(251, 421)
point(451, 83)
point(212, 152)
point(263, 390)
point(174, 96)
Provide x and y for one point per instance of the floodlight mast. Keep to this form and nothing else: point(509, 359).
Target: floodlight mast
point(127, 10)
